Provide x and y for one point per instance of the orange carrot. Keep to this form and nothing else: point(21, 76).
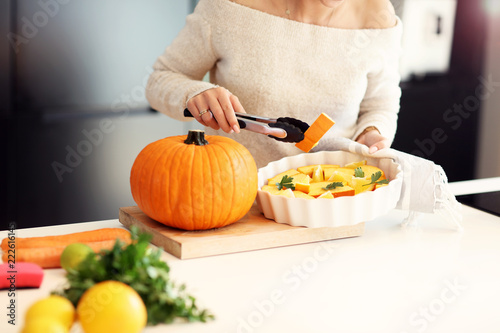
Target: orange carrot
point(49, 257)
point(64, 240)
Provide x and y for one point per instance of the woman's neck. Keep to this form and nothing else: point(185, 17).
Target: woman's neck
point(311, 11)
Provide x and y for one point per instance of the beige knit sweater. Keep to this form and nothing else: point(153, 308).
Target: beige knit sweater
point(279, 67)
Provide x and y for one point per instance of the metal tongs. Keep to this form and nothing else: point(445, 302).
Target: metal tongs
point(283, 129)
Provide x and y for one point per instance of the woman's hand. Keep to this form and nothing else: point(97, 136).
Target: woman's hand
point(222, 106)
point(374, 140)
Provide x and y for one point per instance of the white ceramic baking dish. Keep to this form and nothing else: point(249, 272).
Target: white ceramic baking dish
point(335, 212)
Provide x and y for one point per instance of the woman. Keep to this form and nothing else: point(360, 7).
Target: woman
point(295, 58)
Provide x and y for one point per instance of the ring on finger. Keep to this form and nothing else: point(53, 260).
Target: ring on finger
point(203, 112)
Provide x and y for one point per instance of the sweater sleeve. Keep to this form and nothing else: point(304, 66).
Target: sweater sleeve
point(179, 71)
point(380, 105)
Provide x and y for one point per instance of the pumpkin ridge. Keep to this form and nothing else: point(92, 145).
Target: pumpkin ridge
point(226, 213)
point(185, 153)
point(165, 210)
point(171, 166)
point(234, 196)
point(136, 173)
point(245, 189)
point(208, 152)
point(193, 204)
point(149, 151)
point(220, 214)
point(207, 166)
point(150, 205)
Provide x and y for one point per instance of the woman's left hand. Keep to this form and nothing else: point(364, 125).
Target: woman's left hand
point(374, 140)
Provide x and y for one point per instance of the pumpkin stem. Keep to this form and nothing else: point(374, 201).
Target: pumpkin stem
point(196, 137)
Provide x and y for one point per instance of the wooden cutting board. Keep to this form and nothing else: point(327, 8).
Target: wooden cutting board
point(252, 232)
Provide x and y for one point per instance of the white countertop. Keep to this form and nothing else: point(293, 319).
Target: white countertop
point(391, 279)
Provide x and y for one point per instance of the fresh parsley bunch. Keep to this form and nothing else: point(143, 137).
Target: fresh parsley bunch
point(140, 267)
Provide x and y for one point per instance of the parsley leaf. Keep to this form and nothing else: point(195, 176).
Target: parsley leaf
point(359, 173)
point(333, 186)
point(375, 179)
point(286, 182)
point(141, 268)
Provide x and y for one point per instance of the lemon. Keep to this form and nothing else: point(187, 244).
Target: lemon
point(354, 165)
point(56, 308)
point(74, 254)
point(44, 325)
point(111, 306)
point(317, 174)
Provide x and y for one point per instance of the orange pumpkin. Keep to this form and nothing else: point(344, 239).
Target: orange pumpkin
point(193, 182)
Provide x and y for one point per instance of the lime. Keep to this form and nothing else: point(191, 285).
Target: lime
point(111, 306)
point(73, 255)
point(56, 308)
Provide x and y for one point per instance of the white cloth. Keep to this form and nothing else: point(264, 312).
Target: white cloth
point(425, 186)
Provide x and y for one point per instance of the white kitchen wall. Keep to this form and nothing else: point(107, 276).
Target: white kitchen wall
point(489, 129)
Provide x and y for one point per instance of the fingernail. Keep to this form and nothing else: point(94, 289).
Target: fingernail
point(231, 132)
point(236, 128)
point(372, 150)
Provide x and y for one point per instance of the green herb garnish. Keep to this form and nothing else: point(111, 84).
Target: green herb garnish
point(333, 186)
point(286, 182)
point(359, 173)
point(140, 267)
point(375, 179)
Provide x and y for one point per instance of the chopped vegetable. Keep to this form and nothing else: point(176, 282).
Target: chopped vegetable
point(315, 132)
point(333, 186)
point(50, 257)
point(286, 182)
point(375, 179)
point(359, 173)
point(64, 240)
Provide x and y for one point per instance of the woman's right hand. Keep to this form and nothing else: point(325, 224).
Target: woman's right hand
point(222, 106)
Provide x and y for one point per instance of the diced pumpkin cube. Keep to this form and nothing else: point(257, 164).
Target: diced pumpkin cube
point(319, 127)
point(318, 189)
point(301, 178)
point(271, 189)
point(305, 188)
point(278, 177)
point(347, 171)
point(342, 175)
point(345, 191)
point(287, 193)
point(274, 190)
point(377, 186)
point(361, 185)
point(328, 171)
point(308, 169)
point(306, 145)
point(300, 194)
point(369, 170)
point(326, 195)
point(315, 132)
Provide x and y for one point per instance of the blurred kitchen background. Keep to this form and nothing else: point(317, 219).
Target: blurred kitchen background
point(73, 116)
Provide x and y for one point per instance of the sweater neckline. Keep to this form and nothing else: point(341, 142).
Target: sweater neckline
point(279, 19)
